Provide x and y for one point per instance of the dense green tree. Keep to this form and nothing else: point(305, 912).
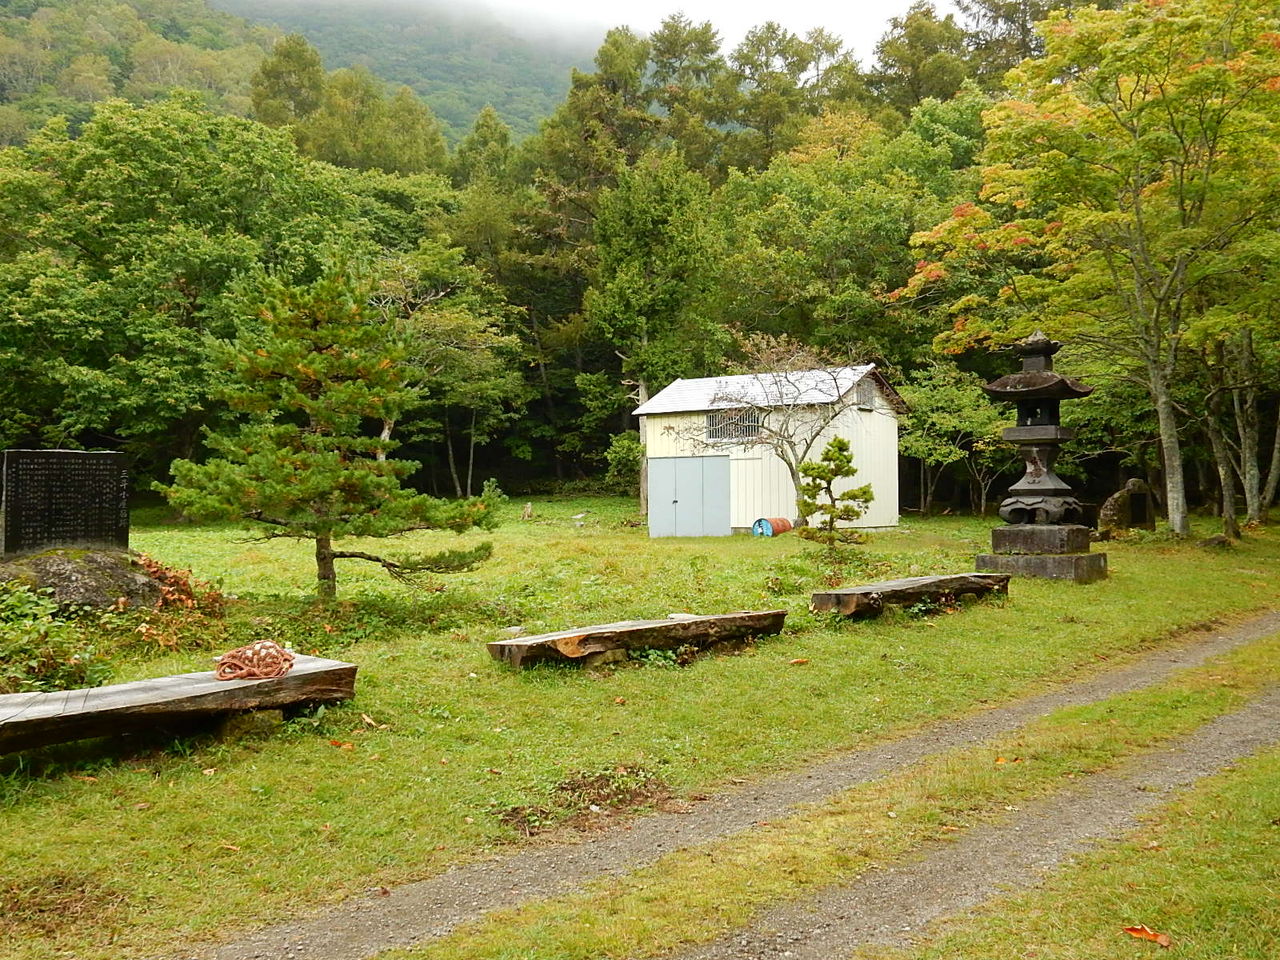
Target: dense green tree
point(816, 240)
point(778, 80)
point(921, 56)
point(1123, 183)
point(312, 372)
point(1002, 33)
point(655, 250)
point(288, 85)
point(119, 247)
point(451, 326)
point(687, 81)
point(949, 421)
point(484, 153)
point(357, 125)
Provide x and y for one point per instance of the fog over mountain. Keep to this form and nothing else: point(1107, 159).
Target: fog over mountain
point(457, 60)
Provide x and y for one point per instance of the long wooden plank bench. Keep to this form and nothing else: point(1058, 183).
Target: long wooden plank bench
point(38, 719)
point(869, 599)
point(676, 631)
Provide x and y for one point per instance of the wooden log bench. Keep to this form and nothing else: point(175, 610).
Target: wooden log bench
point(869, 599)
point(38, 719)
point(588, 644)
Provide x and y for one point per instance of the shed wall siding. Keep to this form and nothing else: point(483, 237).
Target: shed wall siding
point(760, 485)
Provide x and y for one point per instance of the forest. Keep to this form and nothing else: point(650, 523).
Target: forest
point(1108, 176)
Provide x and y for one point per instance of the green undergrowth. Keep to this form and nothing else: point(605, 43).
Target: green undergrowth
point(1202, 870)
point(177, 839)
point(699, 893)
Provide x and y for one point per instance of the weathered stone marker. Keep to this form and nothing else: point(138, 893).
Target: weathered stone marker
point(1045, 537)
point(1129, 507)
point(63, 498)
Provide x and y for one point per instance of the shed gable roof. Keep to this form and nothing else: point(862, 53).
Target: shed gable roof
point(761, 390)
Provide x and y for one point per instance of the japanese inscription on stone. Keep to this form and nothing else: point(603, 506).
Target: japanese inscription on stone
point(63, 498)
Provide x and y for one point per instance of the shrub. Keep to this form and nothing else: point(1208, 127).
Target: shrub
point(625, 455)
point(39, 651)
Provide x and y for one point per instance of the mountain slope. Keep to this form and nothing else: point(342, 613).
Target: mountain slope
point(457, 62)
point(62, 56)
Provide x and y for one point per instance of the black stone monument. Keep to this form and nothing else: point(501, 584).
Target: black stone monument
point(63, 498)
point(1044, 536)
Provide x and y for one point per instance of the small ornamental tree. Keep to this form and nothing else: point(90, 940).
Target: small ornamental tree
point(818, 495)
point(314, 375)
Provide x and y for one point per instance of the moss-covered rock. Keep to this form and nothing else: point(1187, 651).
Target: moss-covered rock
point(96, 579)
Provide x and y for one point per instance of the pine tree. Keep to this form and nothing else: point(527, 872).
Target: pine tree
point(818, 495)
point(314, 376)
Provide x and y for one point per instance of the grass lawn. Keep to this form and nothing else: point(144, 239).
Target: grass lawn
point(105, 855)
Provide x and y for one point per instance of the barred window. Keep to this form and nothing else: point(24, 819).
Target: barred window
point(866, 394)
point(733, 424)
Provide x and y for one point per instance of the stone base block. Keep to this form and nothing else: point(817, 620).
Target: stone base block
point(1037, 538)
point(1080, 567)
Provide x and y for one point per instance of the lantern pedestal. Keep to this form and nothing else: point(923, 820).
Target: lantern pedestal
point(1052, 551)
point(1044, 537)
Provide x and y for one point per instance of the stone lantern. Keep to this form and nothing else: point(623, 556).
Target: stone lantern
point(1045, 536)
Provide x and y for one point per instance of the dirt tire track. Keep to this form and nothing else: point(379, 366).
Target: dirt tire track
point(416, 912)
point(887, 906)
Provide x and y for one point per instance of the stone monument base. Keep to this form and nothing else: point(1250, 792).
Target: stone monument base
point(1055, 551)
point(1040, 538)
point(1080, 567)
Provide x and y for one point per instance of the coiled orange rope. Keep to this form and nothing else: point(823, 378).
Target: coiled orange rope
point(255, 661)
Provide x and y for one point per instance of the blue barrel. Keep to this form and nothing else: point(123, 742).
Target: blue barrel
point(770, 526)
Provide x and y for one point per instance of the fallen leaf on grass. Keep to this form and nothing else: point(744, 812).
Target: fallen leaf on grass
point(142, 806)
point(229, 846)
point(620, 701)
point(86, 779)
point(342, 744)
point(1143, 932)
point(209, 771)
point(799, 661)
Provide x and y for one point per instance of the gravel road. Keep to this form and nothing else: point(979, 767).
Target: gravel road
point(363, 926)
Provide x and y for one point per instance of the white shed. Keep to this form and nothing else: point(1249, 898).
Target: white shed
point(715, 446)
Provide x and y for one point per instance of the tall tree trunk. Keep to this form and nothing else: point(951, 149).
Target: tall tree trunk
point(385, 437)
point(326, 574)
point(1226, 471)
point(1273, 472)
point(471, 453)
point(449, 457)
point(1175, 485)
point(1244, 401)
point(642, 394)
point(544, 381)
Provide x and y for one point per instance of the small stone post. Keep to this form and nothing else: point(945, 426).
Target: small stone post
point(1044, 536)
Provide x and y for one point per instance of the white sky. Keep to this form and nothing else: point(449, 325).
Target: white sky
point(860, 23)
